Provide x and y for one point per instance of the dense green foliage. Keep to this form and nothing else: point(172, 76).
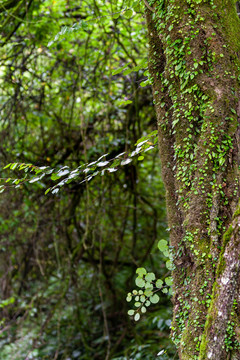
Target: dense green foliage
point(74, 87)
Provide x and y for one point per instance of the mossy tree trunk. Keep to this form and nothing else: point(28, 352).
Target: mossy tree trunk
point(195, 69)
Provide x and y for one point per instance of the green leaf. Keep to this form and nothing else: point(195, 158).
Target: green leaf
point(221, 161)
point(34, 179)
point(147, 303)
point(159, 283)
point(148, 285)
point(149, 148)
point(140, 282)
point(163, 245)
point(137, 317)
point(55, 191)
point(169, 281)
point(169, 265)
point(124, 102)
point(131, 312)
point(126, 161)
point(7, 166)
point(7, 302)
point(127, 71)
point(141, 271)
point(154, 299)
point(102, 163)
point(145, 83)
point(140, 158)
point(116, 16)
point(129, 298)
point(141, 141)
point(54, 177)
point(148, 292)
point(128, 14)
point(13, 166)
point(150, 277)
point(119, 70)
point(143, 309)
point(170, 292)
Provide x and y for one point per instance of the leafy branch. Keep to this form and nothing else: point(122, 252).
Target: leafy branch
point(88, 170)
point(147, 295)
point(149, 285)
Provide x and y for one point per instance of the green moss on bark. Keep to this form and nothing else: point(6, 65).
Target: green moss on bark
point(196, 92)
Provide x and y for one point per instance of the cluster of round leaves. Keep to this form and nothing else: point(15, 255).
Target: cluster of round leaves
point(146, 296)
point(83, 172)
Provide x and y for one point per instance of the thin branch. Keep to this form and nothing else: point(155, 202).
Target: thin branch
point(148, 6)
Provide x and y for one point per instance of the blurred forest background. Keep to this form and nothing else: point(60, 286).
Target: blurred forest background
point(68, 260)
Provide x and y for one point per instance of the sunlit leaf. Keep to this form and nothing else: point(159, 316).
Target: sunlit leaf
point(137, 317)
point(154, 299)
point(125, 162)
point(141, 271)
point(140, 282)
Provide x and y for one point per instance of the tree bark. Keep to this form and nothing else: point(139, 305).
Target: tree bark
point(194, 49)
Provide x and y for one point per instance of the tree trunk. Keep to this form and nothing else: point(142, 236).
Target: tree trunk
point(195, 69)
